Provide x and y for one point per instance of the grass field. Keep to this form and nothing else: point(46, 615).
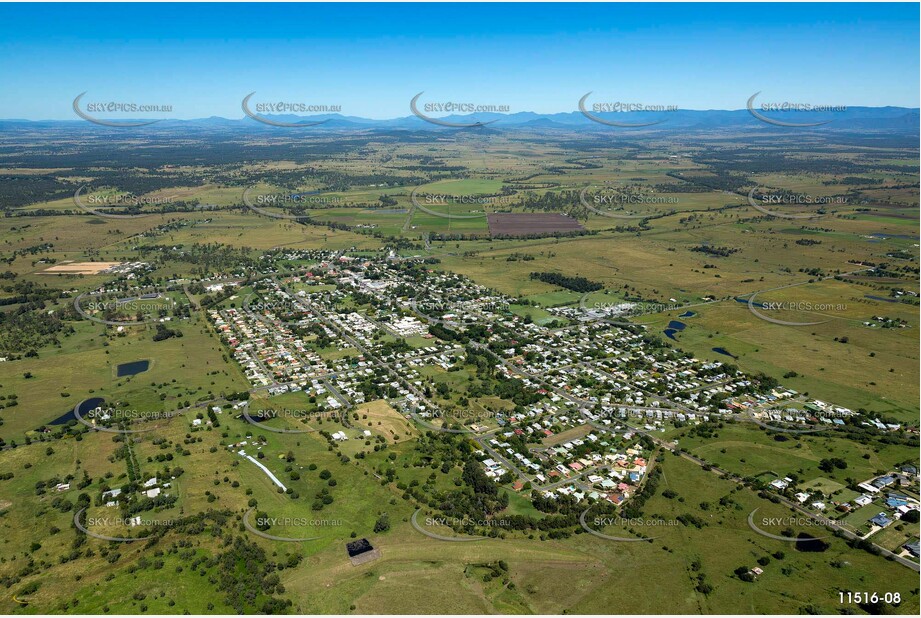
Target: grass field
point(382, 419)
point(748, 450)
point(83, 368)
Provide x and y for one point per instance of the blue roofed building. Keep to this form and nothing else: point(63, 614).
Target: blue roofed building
point(883, 481)
point(913, 548)
point(894, 501)
point(880, 520)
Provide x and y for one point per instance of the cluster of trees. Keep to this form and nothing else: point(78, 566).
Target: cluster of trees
point(491, 383)
point(148, 504)
point(549, 234)
point(27, 328)
point(828, 465)
point(248, 579)
point(520, 257)
point(853, 180)
point(376, 387)
point(576, 163)
point(478, 499)
point(322, 340)
point(561, 201)
point(165, 333)
point(720, 180)
point(18, 190)
point(715, 251)
point(208, 258)
point(576, 284)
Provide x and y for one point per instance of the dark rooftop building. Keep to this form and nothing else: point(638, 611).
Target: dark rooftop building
point(356, 548)
point(361, 552)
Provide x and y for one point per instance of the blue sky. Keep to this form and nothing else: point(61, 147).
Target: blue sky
point(202, 59)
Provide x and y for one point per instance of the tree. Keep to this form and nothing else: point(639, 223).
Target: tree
point(382, 524)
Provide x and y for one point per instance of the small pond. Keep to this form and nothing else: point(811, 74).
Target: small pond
point(130, 369)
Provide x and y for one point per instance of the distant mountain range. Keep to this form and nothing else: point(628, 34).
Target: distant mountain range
point(887, 119)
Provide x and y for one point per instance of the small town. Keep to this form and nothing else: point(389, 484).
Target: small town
point(579, 391)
